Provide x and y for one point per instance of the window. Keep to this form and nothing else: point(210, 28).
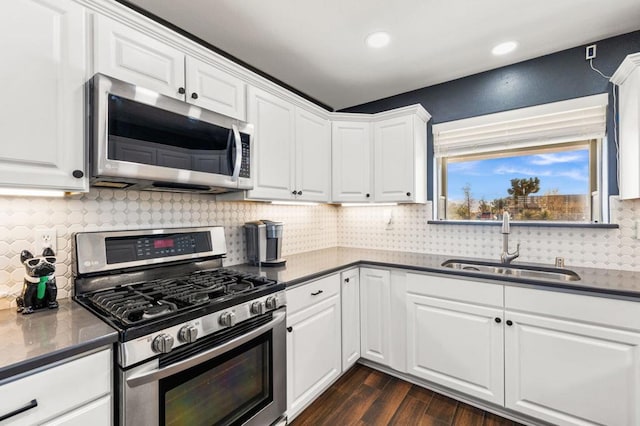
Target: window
point(542, 163)
point(548, 183)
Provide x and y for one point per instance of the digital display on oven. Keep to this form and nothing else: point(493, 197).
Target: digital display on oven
point(131, 249)
point(166, 243)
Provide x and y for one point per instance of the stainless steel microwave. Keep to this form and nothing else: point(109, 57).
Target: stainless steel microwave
point(140, 139)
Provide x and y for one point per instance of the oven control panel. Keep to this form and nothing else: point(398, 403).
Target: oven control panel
point(164, 341)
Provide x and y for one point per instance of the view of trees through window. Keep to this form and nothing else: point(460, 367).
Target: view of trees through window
point(548, 185)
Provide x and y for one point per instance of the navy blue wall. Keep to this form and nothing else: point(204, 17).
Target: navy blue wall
point(559, 76)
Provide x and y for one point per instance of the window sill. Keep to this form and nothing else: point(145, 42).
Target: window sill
point(531, 223)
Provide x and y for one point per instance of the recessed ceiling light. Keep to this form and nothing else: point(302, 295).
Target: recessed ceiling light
point(378, 39)
point(504, 48)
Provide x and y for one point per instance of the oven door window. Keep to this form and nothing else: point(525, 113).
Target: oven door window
point(228, 389)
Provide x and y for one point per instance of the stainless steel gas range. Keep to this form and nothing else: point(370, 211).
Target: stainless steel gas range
point(198, 344)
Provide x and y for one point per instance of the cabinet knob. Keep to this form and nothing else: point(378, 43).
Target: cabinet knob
point(509, 323)
point(299, 192)
point(78, 174)
point(289, 329)
point(194, 95)
point(408, 194)
point(498, 320)
point(293, 192)
point(368, 195)
point(346, 280)
point(181, 90)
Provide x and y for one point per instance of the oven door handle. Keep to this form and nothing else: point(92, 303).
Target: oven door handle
point(161, 373)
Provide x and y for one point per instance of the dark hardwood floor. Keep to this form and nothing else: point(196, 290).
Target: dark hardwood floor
point(364, 396)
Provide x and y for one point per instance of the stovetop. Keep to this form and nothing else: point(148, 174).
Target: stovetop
point(139, 308)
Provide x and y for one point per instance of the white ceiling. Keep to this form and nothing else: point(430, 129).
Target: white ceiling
point(318, 47)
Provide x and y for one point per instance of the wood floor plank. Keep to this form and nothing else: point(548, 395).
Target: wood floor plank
point(366, 397)
point(353, 408)
point(377, 379)
point(491, 419)
point(385, 407)
point(441, 410)
point(466, 415)
point(410, 412)
point(421, 393)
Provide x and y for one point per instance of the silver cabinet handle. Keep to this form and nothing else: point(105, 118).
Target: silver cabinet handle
point(29, 406)
point(161, 373)
point(238, 162)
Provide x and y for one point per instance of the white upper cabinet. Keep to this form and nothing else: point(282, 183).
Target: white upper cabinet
point(43, 75)
point(292, 150)
point(215, 90)
point(141, 59)
point(400, 159)
point(382, 157)
point(627, 77)
point(351, 161)
point(313, 157)
point(273, 145)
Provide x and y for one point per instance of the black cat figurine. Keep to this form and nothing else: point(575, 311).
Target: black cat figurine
point(39, 290)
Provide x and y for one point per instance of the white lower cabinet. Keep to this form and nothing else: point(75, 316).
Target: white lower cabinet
point(58, 397)
point(453, 338)
point(572, 359)
point(375, 315)
point(350, 282)
point(314, 356)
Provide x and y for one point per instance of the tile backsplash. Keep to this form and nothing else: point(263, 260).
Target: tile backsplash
point(306, 227)
point(402, 228)
point(369, 227)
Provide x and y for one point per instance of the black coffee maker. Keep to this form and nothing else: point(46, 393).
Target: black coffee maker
point(264, 242)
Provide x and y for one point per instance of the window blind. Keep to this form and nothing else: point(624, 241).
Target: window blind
point(565, 121)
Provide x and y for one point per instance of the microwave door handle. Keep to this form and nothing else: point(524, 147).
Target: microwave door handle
point(161, 373)
point(238, 161)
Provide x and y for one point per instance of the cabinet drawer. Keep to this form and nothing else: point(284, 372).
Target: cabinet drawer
point(599, 310)
point(312, 292)
point(58, 390)
point(460, 289)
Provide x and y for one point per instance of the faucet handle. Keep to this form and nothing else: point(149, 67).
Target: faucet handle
point(517, 252)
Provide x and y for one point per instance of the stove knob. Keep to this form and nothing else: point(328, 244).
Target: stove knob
point(188, 334)
point(272, 302)
point(162, 343)
point(227, 319)
point(257, 308)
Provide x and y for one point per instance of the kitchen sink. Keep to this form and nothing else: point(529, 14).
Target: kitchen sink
point(521, 271)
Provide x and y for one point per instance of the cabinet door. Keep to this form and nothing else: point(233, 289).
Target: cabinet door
point(571, 373)
point(134, 57)
point(42, 114)
point(350, 318)
point(313, 352)
point(211, 88)
point(272, 157)
point(375, 314)
point(394, 160)
point(313, 157)
point(455, 344)
point(351, 165)
point(95, 413)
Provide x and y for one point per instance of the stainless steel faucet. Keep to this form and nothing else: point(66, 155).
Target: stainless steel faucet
point(505, 256)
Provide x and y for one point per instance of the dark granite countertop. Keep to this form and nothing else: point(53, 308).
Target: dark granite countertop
point(31, 341)
point(310, 265)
